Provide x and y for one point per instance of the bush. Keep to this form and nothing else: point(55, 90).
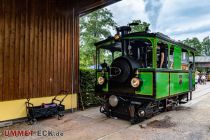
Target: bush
point(87, 86)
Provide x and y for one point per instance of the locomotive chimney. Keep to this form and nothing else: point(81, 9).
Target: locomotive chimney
point(123, 30)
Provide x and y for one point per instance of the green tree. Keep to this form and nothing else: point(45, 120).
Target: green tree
point(206, 46)
point(93, 28)
point(195, 43)
point(141, 27)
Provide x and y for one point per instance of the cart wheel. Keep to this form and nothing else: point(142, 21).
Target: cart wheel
point(34, 121)
point(60, 116)
point(30, 122)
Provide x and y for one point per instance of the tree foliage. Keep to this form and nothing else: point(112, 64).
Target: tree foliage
point(206, 46)
point(141, 27)
point(202, 47)
point(93, 28)
point(195, 43)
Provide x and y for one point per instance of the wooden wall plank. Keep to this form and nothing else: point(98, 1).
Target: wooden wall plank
point(40, 54)
point(12, 52)
point(76, 53)
point(62, 52)
point(7, 23)
point(59, 53)
point(31, 47)
point(51, 50)
point(65, 54)
point(36, 53)
point(69, 50)
point(1, 47)
point(68, 67)
point(48, 50)
point(17, 51)
point(70, 55)
point(55, 68)
point(22, 51)
point(44, 55)
point(27, 50)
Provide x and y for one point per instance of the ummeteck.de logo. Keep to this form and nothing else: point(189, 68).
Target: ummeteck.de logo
point(17, 133)
point(28, 133)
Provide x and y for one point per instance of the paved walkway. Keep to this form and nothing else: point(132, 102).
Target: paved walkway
point(189, 122)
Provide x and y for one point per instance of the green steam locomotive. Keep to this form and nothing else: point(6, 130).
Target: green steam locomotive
point(140, 74)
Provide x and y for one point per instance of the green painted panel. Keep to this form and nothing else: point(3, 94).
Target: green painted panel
point(154, 52)
point(193, 79)
point(185, 82)
point(177, 57)
point(146, 86)
point(106, 75)
point(179, 82)
point(162, 84)
point(174, 83)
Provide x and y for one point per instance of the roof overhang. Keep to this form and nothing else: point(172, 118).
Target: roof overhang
point(87, 6)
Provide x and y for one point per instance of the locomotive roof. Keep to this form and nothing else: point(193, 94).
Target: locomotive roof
point(163, 37)
point(111, 41)
point(109, 44)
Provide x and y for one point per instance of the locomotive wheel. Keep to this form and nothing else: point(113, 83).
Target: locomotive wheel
point(146, 111)
point(171, 104)
point(104, 110)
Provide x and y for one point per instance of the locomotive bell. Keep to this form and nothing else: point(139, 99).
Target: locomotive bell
point(113, 100)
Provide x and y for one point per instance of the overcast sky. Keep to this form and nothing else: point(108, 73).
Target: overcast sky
point(179, 19)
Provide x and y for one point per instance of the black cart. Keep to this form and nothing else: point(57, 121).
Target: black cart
point(55, 108)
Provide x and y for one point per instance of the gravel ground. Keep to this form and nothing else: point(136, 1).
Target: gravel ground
point(190, 121)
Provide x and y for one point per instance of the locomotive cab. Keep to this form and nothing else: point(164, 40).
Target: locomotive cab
point(123, 59)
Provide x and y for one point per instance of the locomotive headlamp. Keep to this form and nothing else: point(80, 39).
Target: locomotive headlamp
point(113, 100)
point(141, 113)
point(101, 80)
point(135, 82)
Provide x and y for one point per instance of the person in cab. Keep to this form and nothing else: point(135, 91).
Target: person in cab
point(163, 55)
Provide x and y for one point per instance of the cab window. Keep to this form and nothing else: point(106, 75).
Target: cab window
point(162, 55)
point(185, 60)
point(171, 58)
point(141, 51)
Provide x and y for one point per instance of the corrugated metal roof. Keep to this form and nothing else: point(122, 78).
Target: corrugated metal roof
point(201, 59)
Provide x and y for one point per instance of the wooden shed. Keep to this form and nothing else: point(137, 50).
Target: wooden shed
point(39, 51)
